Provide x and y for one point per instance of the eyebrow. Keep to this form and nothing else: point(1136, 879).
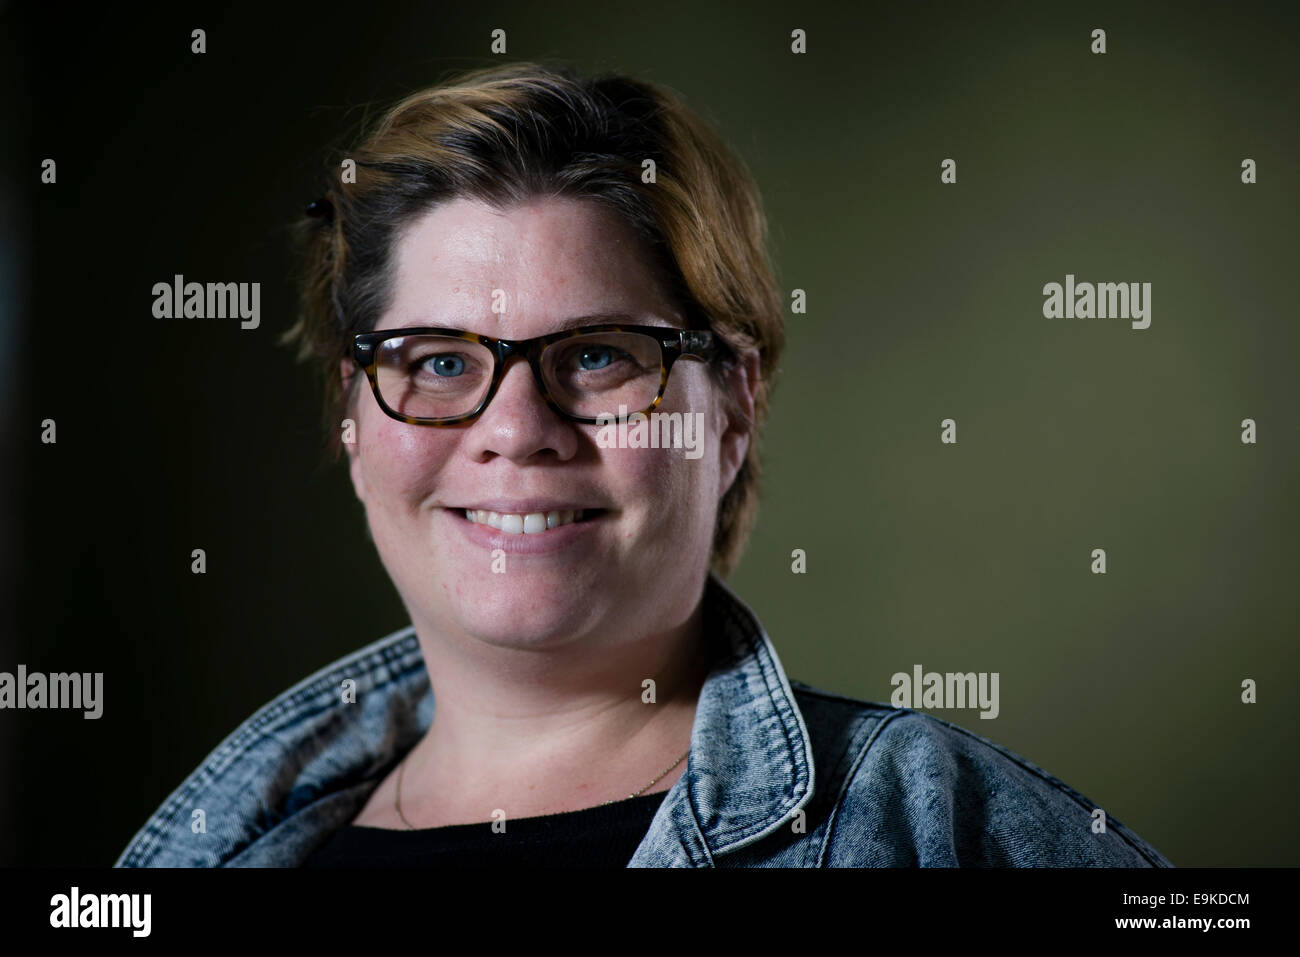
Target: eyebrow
point(600, 319)
point(603, 318)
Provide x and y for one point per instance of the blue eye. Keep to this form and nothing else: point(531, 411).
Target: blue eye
point(592, 359)
point(447, 365)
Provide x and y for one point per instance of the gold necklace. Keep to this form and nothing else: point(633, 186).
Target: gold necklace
point(402, 768)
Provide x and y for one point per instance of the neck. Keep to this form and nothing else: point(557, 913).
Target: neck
point(538, 733)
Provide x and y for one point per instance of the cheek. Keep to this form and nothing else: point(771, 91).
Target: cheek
point(672, 494)
point(401, 462)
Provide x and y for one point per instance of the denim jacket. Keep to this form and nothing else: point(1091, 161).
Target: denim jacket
point(779, 775)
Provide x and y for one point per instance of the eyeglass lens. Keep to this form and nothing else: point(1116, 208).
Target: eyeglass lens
point(443, 377)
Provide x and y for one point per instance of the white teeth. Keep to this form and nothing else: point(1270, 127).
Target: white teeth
point(532, 523)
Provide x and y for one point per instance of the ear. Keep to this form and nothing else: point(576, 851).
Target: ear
point(347, 370)
point(735, 434)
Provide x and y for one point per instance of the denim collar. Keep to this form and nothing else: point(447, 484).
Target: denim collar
point(304, 765)
point(750, 768)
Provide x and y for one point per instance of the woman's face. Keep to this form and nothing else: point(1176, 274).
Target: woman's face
point(635, 568)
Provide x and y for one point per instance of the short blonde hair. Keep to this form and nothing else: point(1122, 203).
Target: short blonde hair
point(508, 134)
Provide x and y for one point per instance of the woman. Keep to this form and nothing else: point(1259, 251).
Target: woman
point(506, 272)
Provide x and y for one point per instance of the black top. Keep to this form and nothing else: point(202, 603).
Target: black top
point(593, 837)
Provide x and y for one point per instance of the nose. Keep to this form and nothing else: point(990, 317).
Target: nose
point(518, 424)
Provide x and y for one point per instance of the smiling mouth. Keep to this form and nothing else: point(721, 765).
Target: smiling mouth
point(532, 523)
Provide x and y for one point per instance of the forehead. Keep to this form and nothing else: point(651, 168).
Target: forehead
point(522, 271)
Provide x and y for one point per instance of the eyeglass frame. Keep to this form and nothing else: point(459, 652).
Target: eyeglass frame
point(700, 344)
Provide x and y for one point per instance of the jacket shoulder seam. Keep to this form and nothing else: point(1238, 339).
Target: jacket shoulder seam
point(1034, 770)
point(846, 785)
point(861, 703)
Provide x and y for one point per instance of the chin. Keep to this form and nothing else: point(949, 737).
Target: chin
point(545, 607)
point(510, 629)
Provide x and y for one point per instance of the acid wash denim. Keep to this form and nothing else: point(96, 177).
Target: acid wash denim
point(779, 775)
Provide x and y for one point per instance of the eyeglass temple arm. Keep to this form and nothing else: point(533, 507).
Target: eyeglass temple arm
point(699, 343)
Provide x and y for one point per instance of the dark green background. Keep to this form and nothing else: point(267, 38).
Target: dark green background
point(924, 303)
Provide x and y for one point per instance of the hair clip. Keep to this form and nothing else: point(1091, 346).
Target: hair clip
point(321, 209)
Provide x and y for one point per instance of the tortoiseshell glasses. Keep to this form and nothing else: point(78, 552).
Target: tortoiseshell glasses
point(429, 375)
